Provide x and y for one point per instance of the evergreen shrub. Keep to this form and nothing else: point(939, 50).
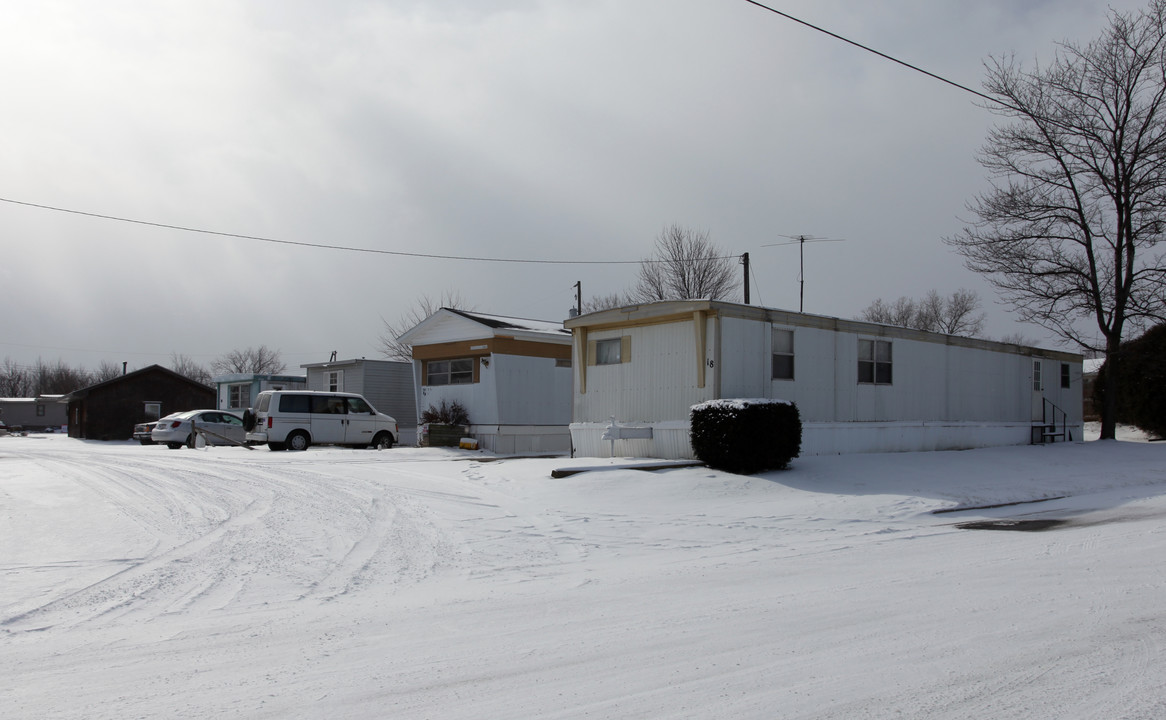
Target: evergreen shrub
point(1141, 376)
point(746, 436)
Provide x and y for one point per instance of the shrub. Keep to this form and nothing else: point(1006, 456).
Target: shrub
point(746, 436)
point(1141, 375)
point(449, 413)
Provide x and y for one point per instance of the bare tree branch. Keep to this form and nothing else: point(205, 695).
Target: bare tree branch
point(422, 308)
point(1068, 232)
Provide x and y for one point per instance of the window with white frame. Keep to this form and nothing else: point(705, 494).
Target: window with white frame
point(334, 380)
point(449, 372)
point(239, 396)
point(783, 354)
point(1037, 383)
point(874, 362)
point(152, 410)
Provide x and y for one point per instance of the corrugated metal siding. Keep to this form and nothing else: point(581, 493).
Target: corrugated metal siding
point(531, 391)
point(660, 382)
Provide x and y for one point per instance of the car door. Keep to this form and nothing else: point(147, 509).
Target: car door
point(232, 427)
point(362, 423)
point(328, 418)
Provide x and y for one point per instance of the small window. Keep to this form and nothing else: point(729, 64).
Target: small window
point(334, 381)
point(874, 362)
point(153, 410)
point(449, 372)
point(240, 396)
point(1064, 375)
point(562, 362)
point(40, 410)
point(1037, 382)
point(783, 354)
point(607, 352)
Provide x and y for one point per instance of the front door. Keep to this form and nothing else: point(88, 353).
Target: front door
point(1038, 394)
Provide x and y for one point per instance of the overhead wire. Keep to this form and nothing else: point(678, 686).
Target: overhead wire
point(871, 50)
point(322, 246)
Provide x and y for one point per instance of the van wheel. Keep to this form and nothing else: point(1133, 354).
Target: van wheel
point(276, 446)
point(383, 441)
point(298, 440)
point(248, 420)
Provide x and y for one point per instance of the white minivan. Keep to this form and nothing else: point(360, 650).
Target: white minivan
point(295, 419)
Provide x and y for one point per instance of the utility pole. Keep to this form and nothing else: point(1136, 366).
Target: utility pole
point(802, 273)
point(745, 263)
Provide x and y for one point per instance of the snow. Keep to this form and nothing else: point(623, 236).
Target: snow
point(430, 583)
point(739, 403)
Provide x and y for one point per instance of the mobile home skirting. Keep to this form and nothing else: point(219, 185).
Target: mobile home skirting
point(522, 439)
point(670, 440)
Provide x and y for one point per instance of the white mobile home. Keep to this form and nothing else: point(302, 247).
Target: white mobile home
point(512, 375)
point(860, 387)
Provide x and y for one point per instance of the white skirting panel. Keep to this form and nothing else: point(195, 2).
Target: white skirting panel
point(522, 439)
point(671, 439)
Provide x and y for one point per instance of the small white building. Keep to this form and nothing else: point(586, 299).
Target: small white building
point(512, 375)
point(860, 387)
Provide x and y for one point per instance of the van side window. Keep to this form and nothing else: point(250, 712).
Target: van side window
point(328, 405)
point(358, 405)
point(295, 403)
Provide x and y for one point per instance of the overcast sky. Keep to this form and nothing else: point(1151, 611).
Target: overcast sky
point(549, 130)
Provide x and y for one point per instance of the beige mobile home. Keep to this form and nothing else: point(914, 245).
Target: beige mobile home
point(513, 375)
point(860, 387)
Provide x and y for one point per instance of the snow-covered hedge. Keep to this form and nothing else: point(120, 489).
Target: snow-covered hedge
point(745, 435)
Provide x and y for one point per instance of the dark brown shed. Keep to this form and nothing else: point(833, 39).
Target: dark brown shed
point(109, 410)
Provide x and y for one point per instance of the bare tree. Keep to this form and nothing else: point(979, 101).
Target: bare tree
point(58, 379)
point(607, 302)
point(421, 309)
point(187, 367)
point(106, 370)
point(260, 360)
point(1068, 232)
point(903, 312)
point(15, 380)
point(686, 265)
point(953, 315)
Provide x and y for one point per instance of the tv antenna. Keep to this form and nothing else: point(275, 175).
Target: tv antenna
point(800, 241)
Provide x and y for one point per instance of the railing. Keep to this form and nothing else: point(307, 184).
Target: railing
point(1047, 431)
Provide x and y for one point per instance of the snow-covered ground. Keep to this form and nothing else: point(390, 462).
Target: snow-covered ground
point(140, 582)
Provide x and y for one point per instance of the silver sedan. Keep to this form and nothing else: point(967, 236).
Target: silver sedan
point(218, 427)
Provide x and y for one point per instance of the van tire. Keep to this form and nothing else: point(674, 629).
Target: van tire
point(298, 440)
point(248, 420)
point(383, 441)
point(276, 447)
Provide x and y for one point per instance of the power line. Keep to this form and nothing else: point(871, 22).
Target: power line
point(916, 68)
point(322, 246)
